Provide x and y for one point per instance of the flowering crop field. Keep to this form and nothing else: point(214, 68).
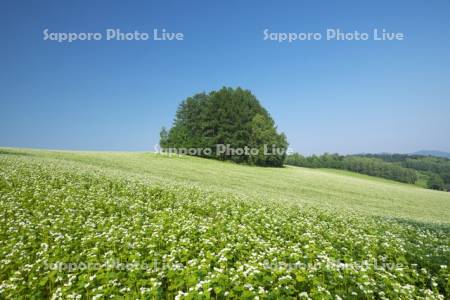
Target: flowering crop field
point(86, 225)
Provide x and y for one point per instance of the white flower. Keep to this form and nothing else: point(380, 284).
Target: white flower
point(303, 294)
point(98, 296)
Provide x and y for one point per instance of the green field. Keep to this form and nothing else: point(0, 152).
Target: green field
point(195, 228)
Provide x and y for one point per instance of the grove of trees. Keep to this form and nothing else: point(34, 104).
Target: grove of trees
point(399, 167)
point(364, 165)
point(435, 169)
point(232, 117)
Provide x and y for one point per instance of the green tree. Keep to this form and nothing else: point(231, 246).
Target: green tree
point(435, 182)
point(163, 137)
point(231, 117)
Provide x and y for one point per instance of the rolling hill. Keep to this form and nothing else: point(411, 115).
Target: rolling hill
point(211, 229)
point(433, 153)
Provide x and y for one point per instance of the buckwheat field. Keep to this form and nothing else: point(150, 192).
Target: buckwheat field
point(86, 225)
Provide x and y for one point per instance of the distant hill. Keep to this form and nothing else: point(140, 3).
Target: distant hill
point(433, 153)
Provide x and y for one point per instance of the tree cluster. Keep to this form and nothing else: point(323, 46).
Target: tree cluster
point(364, 165)
point(435, 169)
point(399, 167)
point(232, 117)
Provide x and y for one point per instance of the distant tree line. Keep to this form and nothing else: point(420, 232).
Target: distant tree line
point(399, 167)
point(435, 169)
point(232, 117)
point(364, 165)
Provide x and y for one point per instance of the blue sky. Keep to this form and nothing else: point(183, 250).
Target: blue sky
point(327, 96)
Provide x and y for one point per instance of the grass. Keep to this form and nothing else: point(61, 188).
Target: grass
point(198, 229)
point(324, 188)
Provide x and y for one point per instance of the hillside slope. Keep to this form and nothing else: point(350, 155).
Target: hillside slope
point(317, 187)
point(79, 225)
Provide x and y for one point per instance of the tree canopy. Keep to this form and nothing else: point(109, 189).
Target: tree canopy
point(230, 117)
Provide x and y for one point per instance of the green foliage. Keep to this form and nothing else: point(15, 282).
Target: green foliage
point(179, 241)
point(434, 172)
point(435, 182)
point(434, 168)
point(231, 117)
point(364, 165)
point(163, 136)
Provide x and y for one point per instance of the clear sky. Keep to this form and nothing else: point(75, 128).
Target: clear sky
point(327, 96)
